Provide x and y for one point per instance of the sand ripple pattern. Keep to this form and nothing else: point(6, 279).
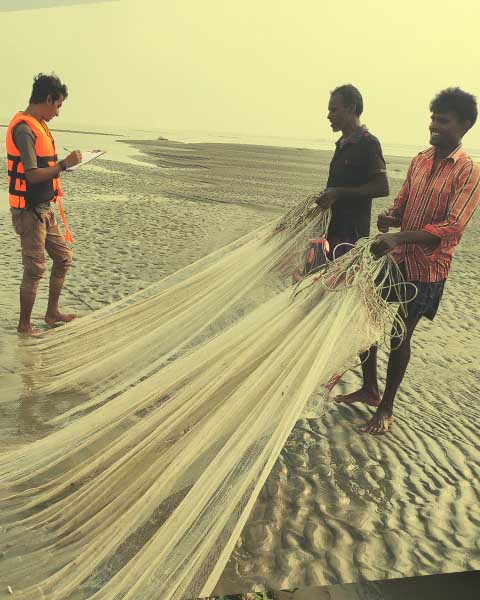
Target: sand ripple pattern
point(341, 506)
point(338, 506)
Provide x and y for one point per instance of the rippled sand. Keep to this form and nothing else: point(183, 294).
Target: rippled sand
point(339, 506)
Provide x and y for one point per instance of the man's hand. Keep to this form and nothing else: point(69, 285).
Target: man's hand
point(385, 242)
point(385, 221)
point(73, 158)
point(326, 198)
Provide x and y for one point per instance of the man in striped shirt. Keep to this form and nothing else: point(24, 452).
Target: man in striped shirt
point(432, 209)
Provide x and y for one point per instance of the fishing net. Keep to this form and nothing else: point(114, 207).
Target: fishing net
point(189, 391)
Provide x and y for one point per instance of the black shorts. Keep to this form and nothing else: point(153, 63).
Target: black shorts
point(428, 294)
point(425, 303)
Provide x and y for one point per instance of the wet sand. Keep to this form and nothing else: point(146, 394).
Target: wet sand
point(339, 506)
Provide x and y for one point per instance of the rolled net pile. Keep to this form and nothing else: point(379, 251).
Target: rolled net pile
point(193, 386)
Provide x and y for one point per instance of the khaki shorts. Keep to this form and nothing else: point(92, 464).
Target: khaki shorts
point(37, 234)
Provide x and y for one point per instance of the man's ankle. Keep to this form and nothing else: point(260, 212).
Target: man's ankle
point(386, 406)
point(25, 327)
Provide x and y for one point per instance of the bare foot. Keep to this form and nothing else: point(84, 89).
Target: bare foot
point(26, 328)
point(362, 395)
point(379, 424)
point(58, 317)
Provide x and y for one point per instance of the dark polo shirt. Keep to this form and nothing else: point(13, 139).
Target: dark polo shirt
point(355, 161)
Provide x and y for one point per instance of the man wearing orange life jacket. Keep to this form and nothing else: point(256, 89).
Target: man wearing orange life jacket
point(34, 185)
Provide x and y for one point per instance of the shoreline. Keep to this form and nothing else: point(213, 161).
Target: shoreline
point(159, 142)
point(78, 131)
point(156, 152)
point(248, 141)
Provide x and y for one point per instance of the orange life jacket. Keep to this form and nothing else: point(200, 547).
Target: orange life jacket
point(22, 194)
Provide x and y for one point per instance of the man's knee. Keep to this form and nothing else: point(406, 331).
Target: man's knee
point(402, 332)
point(33, 271)
point(62, 263)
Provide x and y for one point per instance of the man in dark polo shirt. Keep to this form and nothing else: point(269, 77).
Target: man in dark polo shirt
point(357, 172)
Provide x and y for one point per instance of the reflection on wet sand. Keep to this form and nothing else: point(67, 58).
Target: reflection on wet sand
point(25, 413)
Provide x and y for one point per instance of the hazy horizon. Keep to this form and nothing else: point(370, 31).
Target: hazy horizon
point(248, 69)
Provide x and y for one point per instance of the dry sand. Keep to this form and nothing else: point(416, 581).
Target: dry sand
point(339, 506)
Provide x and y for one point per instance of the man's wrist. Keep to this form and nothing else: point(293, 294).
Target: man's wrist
point(416, 237)
point(400, 237)
point(333, 191)
point(62, 164)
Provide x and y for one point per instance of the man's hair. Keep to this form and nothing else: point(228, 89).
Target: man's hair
point(350, 96)
point(47, 85)
point(455, 100)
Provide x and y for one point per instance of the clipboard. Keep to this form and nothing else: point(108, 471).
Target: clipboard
point(87, 157)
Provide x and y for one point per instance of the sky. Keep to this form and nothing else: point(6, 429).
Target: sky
point(252, 67)
point(22, 5)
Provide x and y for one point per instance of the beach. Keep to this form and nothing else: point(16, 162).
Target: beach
point(339, 506)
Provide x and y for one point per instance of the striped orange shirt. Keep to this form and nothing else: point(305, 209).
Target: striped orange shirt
point(441, 203)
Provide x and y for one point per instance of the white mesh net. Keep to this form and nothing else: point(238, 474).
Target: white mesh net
point(188, 392)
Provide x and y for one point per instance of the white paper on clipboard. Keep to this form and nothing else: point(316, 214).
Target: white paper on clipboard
point(87, 157)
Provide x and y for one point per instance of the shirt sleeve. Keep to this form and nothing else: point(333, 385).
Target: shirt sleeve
point(25, 142)
point(376, 162)
point(464, 201)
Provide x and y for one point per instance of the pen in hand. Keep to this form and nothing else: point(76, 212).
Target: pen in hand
point(76, 155)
